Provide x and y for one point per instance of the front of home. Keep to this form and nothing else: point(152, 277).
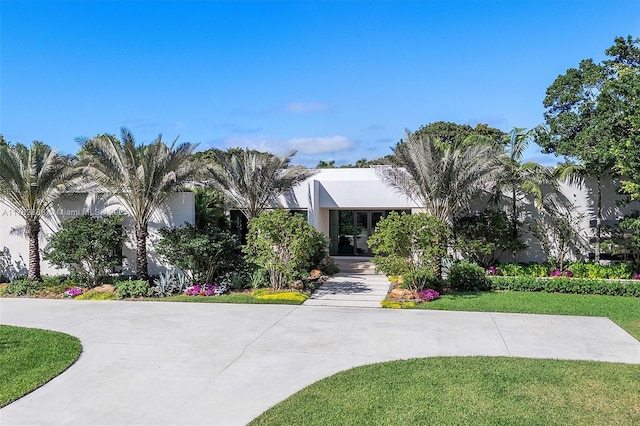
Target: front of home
point(344, 204)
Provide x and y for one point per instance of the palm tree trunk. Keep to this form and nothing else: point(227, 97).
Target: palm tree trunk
point(514, 219)
point(598, 218)
point(142, 269)
point(33, 232)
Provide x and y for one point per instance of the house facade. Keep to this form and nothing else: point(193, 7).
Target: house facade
point(346, 204)
point(180, 208)
point(343, 204)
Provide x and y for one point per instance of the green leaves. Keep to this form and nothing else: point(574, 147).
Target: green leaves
point(403, 243)
point(88, 246)
point(285, 245)
point(201, 253)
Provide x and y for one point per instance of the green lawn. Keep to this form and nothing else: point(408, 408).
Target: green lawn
point(624, 311)
point(468, 391)
point(30, 358)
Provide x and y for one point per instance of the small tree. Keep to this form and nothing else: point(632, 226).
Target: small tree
point(483, 237)
point(405, 243)
point(285, 245)
point(87, 246)
point(202, 254)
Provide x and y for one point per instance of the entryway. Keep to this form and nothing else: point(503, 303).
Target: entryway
point(356, 285)
point(349, 231)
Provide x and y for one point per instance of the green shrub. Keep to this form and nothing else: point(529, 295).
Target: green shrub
point(404, 242)
point(133, 288)
point(88, 247)
point(568, 285)
point(525, 269)
point(97, 295)
point(285, 245)
point(467, 276)
point(202, 254)
point(23, 287)
point(483, 237)
point(259, 278)
point(420, 279)
point(598, 271)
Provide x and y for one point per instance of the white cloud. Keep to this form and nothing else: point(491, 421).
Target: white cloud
point(300, 107)
point(320, 145)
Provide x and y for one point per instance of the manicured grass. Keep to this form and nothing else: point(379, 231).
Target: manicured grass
point(624, 311)
point(31, 357)
point(227, 298)
point(468, 391)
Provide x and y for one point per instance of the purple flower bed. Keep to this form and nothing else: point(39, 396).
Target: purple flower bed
point(206, 289)
point(73, 292)
point(428, 295)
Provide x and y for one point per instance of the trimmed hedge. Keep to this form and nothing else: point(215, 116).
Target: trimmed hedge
point(568, 285)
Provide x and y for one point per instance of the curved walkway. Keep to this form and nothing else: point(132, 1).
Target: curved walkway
point(155, 363)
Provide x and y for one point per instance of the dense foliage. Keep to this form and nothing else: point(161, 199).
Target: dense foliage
point(485, 236)
point(133, 288)
point(405, 243)
point(285, 245)
point(467, 276)
point(201, 254)
point(88, 247)
point(568, 285)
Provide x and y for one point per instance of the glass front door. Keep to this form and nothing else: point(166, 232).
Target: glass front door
point(349, 231)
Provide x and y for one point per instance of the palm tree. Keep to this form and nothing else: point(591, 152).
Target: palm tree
point(252, 181)
point(518, 181)
point(31, 179)
point(442, 178)
point(143, 177)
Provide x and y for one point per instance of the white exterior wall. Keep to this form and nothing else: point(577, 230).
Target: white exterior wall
point(179, 209)
point(343, 189)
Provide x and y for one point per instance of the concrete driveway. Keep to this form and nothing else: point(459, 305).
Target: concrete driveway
point(155, 363)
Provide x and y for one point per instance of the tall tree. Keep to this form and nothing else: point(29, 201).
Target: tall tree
point(518, 180)
point(31, 179)
point(590, 112)
point(456, 134)
point(252, 181)
point(143, 177)
point(442, 178)
point(621, 98)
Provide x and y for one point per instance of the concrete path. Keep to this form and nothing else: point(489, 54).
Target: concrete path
point(155, 363)
point(357, 285)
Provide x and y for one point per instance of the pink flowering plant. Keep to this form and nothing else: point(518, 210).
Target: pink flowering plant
point(428, 295)
point(206, 289)
point(558, 273)
point(492, 270)
point(636, 276)
point(72, 292)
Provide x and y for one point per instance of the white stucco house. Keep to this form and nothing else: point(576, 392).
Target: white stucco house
point(344, 204)
point(179, 209)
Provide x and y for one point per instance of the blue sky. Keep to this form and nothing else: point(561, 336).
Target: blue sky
point(336, 80)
